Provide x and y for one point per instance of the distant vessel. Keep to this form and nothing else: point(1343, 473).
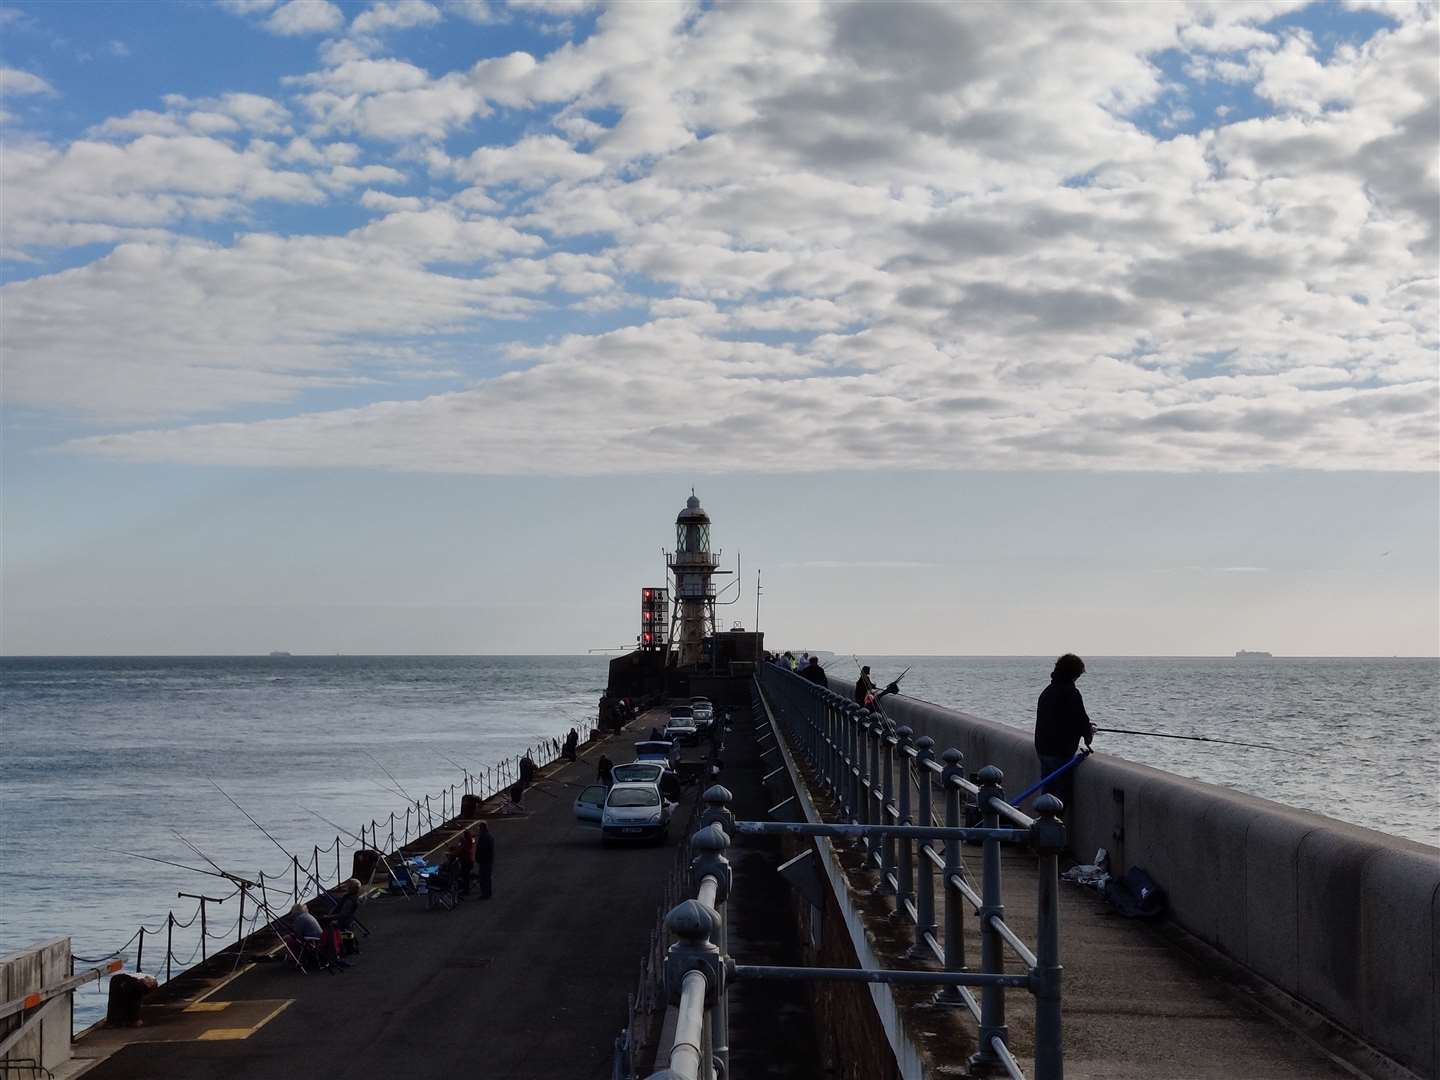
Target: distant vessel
point(1247, 654)
point(282, 652)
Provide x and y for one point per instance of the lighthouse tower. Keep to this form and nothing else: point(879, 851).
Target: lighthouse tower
point(694, 568)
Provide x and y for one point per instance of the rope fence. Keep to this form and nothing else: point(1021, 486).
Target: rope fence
point(308, 879)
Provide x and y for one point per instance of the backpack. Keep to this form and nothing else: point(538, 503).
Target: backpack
point(1136, 895)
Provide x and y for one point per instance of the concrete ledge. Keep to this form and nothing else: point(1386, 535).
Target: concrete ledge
point(1399, 983)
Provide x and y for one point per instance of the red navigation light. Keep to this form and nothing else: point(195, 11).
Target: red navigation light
point(647, 637)
point(646, 594)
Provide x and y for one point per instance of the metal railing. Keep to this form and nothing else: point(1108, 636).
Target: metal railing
point(868, 770)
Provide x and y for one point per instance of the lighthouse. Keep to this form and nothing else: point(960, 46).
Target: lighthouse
point(694, 568)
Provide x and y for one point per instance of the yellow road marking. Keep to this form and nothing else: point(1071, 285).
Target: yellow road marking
point(207, 1006)
point(217, 1034)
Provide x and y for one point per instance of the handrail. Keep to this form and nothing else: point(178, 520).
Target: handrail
point(887, 786)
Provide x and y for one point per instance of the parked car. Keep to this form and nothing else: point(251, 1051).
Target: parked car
point(682, 729)
point(590, 803)
point(703, 711)
point(681, 711)
point(662, 751)
point(635, 812)
point(637, 772)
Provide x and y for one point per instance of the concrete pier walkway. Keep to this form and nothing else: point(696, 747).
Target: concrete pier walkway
point(530, 985)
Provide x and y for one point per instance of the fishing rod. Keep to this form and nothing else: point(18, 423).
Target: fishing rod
point(361, 841)
point(262, 900)
point(1197, 738)
point(295, 859)
point(388, 773)
point(234, 879)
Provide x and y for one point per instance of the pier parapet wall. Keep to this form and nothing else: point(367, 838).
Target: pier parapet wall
point(1343, 918)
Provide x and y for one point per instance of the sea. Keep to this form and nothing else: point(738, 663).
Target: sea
point(105, 759)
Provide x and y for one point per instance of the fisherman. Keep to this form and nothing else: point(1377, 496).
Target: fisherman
point(310, 938)
point(527, 775)
point(484, 859)
point(1060, 724)
point(467, 861)
point(864, 687)
point(572, 741)
point(670, 788)
point(603, 769)
point(813, 672)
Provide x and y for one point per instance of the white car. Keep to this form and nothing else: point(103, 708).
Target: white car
point(637, 772)
point(635, 812)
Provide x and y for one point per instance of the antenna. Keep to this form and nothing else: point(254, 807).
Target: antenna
point(758, 590)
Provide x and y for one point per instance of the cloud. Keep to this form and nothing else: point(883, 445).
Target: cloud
point(480, 12)
point(299, 17)
point(965, 238)
point(15, 81)
point(395, 15)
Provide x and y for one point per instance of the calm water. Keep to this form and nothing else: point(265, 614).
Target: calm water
point(105, 755)
point(1368, 730)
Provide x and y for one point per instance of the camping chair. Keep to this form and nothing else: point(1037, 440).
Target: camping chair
point(443, 889)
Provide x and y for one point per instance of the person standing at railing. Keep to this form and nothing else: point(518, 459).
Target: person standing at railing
point(484, 859)
point(864, 686)
point(1060, 723)
point(813, 672)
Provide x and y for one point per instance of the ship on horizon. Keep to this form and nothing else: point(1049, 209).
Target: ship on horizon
point(1252, 654)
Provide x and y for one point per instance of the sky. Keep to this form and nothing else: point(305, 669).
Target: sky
point(407, 327)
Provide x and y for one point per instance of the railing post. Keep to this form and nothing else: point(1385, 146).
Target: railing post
point(337, 847)
point(717, 811)
point(693, 956)
point(240, 923)
point(831, 748)
point(864, 809)
point(140, 952)
point(295, 870)
point(169, 941)
point(203, 956)
point(852, 760)
point(954, 898)
point(992, 957)
point(1047, 839)
point(887, 796)
point(925, 870)
point(710, 844)
point(905, 889)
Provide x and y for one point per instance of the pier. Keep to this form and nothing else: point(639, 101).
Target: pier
point(563, 973)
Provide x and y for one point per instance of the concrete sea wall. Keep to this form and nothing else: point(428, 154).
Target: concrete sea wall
point(1343, 918)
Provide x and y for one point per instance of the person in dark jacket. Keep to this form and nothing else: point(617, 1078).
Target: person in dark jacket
point(1060, 723)
point(603, 769)
point(864, 686)
point(813, 672)
point(484, 859)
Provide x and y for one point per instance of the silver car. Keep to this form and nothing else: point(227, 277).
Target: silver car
point(635, 812)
